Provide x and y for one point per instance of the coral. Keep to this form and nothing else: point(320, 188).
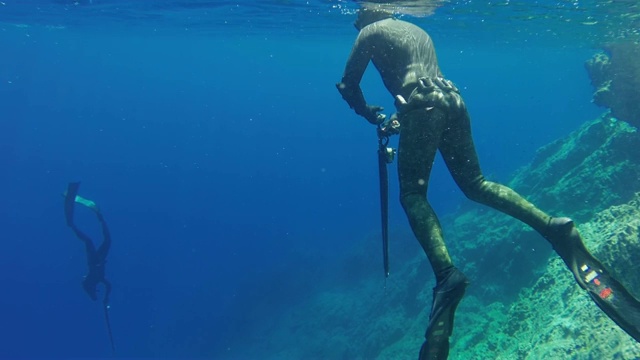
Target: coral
point(615, 75)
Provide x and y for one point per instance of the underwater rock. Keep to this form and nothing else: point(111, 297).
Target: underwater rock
point(615, 75)
point(593, 168)
point(523, 303)
point(555, 319)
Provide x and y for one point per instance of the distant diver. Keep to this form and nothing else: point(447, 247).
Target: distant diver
point(96, 259)
point(433, 117)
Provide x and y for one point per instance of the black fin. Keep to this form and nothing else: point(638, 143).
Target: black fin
point(70, 200)
point(446, 297)
point(605, 290)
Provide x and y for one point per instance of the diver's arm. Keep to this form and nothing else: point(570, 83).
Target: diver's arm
point(349, 87)
point(357, 63)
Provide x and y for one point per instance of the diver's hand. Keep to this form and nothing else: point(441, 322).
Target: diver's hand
point(372, 114)
point(391, 126)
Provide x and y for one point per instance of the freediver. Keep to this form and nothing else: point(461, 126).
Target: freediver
point(432, 116)
point(96, 259)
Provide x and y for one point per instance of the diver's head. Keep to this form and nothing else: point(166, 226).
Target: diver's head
point(369, 15)
point(90, 288)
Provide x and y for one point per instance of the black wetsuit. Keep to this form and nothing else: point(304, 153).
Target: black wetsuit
point(96, 260)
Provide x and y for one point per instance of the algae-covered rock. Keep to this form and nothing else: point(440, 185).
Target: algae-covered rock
point(593, 168)
point(615, 75)
point(555, 319)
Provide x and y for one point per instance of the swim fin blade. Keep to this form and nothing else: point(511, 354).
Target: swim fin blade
point(613, 298)
point(69, 201)
point(605, 290)
point(88, 203)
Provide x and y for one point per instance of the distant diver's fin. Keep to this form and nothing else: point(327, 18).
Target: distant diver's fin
point(605, 290)
point(69, 201)
point(446, 297)
point(88, 203)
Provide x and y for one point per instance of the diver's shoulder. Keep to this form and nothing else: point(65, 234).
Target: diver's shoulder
point(410, 25)
point(391, 27)
point(397, 23)
point(416, 30)
point(383, 26)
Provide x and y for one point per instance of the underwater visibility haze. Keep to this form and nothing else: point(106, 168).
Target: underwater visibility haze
point(240, 190)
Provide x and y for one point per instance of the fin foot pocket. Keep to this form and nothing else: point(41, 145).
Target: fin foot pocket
point(446, 297)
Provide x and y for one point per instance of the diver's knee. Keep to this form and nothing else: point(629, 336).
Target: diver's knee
point(405, 200)
point(409, 200)
point(473, 189)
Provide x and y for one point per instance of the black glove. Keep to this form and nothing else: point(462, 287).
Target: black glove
point(371, 113)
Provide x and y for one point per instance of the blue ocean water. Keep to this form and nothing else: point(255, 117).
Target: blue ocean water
point(230, 171)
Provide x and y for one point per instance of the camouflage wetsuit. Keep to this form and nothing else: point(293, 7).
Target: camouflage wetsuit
point(434, 117)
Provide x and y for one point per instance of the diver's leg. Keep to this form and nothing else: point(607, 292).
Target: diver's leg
point(103, 250)
point(417, 147)
point(459, 153)
point(419, 139)
point(89, 247)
